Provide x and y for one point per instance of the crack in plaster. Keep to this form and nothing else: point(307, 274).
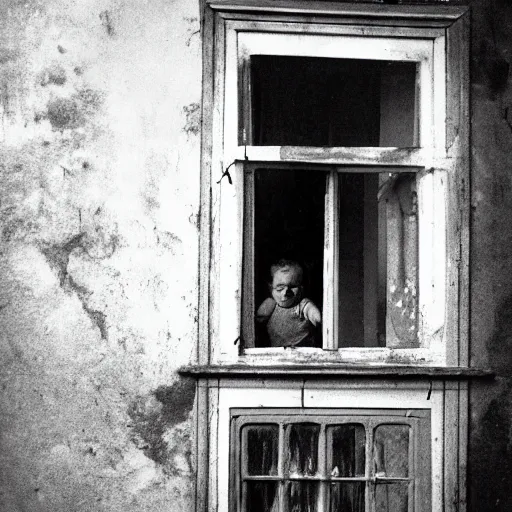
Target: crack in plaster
point(58, 256)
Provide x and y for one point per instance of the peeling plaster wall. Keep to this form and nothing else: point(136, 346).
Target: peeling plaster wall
point(99, 173)
point(490, 448)
point(99, 170)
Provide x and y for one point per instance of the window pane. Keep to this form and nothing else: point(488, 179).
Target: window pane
point(392, 497)
point(378, 260)
point(302, 497)
point(261, 497)
point(262, 450)
point(309, 101)
point(288, 225)
point(391, 451)
point(303, 449)
point(348, 451)
point(347, 497)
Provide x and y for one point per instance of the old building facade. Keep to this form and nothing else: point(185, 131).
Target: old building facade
point(132, 375)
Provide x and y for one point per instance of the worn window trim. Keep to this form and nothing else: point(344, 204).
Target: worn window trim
point(423, 15)
point(235, 88)
point(454, 23)
point(217, 394)
point(228, 395)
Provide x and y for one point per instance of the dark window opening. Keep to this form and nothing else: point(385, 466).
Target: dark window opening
point(311, 101)
point(288, 224)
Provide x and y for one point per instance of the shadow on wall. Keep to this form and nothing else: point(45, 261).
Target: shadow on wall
point(490, 464)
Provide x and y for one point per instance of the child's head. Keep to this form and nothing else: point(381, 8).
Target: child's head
point(286, 284)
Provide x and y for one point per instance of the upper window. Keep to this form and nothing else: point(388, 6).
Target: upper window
point(319, 101)
point(335, 231)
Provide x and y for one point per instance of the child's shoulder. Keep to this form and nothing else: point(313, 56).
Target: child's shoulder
point(309, 310)
point(304, 302)
point(266, 307)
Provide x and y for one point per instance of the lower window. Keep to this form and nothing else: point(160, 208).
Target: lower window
point(313, 460)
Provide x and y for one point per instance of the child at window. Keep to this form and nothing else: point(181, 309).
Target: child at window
point(290, 319)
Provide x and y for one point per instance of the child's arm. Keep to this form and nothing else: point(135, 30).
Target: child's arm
point(265, 310)
point(312, 313)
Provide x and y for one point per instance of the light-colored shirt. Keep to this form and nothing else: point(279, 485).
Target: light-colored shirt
point(290, 327)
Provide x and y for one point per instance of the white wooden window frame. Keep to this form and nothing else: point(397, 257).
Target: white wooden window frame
point(436, 38)
point(430, 378)
point(440, 399)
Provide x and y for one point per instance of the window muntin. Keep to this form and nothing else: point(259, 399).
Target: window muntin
point(362, 461)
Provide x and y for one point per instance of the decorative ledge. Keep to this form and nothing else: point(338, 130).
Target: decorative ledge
point(443, 12)
point(329, 371)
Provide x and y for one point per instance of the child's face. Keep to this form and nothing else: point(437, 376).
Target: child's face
point(287, 286)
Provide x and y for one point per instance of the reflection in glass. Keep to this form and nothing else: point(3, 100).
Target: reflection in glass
point(391, 497)
point(347, 497)
point(399, 194)
point(261, 497)
point(378, 260)
point(303, 453)
point(348, 451)
point(311, 101)
point(391, 451)
point(302, 497)
point(262, 449)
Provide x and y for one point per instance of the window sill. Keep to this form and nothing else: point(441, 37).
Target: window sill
point(317, 371)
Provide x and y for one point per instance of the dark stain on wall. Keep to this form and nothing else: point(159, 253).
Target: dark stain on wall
point(166, 238)
point(98, 318)
point(151, 418)
point(491, 62)
point(490, 464)
point(499, 346)
point(491, 442)
point(7, 55)
point(72, 112)
point(64, 113)
point(89, 99)
point(58, 258)
point(55, 75)
point(15, 228)
point(106, 21)
point(494, 67)
point(192, 119)
point(100, 243)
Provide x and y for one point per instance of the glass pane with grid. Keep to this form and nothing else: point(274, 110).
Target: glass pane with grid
point(327, 465)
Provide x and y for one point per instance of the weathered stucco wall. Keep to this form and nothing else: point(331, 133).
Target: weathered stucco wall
point(490, 456)
point(99, 173)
